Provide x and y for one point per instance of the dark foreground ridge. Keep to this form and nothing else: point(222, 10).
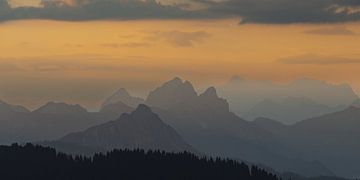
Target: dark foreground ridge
point(37, 162)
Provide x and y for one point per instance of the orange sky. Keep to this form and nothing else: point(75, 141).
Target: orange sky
point(59, 60)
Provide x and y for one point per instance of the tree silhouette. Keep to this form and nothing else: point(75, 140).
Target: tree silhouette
point(37, 162)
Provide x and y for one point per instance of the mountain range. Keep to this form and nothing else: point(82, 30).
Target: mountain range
point(175, 118)
point(122, 95)
point(290, 110)
point(245, 96)
point(141, 129)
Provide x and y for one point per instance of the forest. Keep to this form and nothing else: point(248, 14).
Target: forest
point(30, 161)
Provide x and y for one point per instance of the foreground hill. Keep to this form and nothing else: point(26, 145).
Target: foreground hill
point(36, 162)
point(141, 129)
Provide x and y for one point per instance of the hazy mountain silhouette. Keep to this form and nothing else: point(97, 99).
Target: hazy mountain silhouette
point(12, 119)
point(289, 110)
point(5, 107)
point(244, 94)
point(60, 108)
point(356, 103)
point(51, 121)
point(205, 121)
point(122, 95)
point(171, 93)
point(114, 110)
point(270, 125)
point(140, 129)
point(331, 139)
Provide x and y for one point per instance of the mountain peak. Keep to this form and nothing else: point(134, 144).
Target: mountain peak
point(122, 95)
point(60, 107)
point(4, 106)
point(171, 93)
point(122, 91)
point(210, 92)
point(176, 80)
point(141, 129)
point(142, 108)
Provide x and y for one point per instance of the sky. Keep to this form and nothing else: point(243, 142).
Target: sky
point(80, 51)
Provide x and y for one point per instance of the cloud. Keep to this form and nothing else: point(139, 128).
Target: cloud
point(9, 67)
point(181, 39)
point(82, 10)
point(249, 11)
point(314, 59)
point(286, 11)
point(331, 31)
point(130, 45)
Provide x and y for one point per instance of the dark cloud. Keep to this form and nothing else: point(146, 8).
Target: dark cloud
point(331, 31)
point(249, 11)
point(181, 39)
point(319, 60)
point(287, 11)
point(81, 10)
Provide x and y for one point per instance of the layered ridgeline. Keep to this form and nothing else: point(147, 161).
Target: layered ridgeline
point(356, 103)
point(50, 121)
point(331, 139)
point(248, 97)
point(141, 129)
point(289, 110)
point(205, 121)
point(36, 162)
point(8, 108)
point(122, 95)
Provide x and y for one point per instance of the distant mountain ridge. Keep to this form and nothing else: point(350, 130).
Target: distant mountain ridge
point(329, 138)
point(244, 94)
point(171, 93)
point(206, 122)
point(5, 107)
point(122, 95)
point(290, 110)
point(60, 108)
point(141, 129)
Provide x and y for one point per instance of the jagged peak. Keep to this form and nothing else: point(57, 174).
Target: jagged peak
point(179, 84)
point(122, 91)
point(210, 92)
point(176, 81)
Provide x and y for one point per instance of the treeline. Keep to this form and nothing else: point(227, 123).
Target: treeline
point(37, 162)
